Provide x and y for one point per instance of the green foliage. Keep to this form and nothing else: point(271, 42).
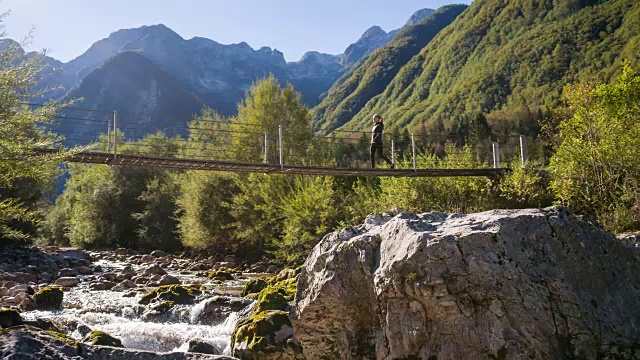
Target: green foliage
point(309, 212)
point(502, 55)
point(203, 205)
point(524, 187)
point(596, 169)
point(49, 298)
point(347, 97)
point(24, 175)
point(101, 338)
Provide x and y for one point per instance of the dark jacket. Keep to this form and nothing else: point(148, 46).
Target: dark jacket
point(376, 133)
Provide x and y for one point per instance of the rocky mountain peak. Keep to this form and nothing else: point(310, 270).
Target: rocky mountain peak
point(419, 15)
point(374, 32)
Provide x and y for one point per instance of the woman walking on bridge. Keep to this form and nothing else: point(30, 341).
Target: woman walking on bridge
point(376, 141)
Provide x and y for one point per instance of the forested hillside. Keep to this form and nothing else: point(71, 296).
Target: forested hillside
point(351, 92)
point(501, 55)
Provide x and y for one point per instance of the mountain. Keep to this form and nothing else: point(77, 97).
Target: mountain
point(132, 84)
point(500, 55)
point(370, 77)
point(375, 38)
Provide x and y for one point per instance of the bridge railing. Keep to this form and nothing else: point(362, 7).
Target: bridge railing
point(209, 139)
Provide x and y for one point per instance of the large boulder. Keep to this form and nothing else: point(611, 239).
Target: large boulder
point(503, 284)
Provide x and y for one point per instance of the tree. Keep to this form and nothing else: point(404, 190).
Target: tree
point(22, 131)
point(266, 106)
point(596, 169)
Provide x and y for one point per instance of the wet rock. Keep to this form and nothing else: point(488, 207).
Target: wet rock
point(272, 269)
point(505, 284)
point(254, 286)
point(83, 330)
point(4, 292)
point(215, 310)
point(265, 336)
point(220, 275)
point(67, 272)
point(121, 252)
point(199, 346)
point(68, 282)
point(198, 267)
point(177, 293)
point(158, 253)
point(97, 269)
point(108, 277)
point(123, 277)
point(9, 318)
point(25, 278)
point(75, 255)
point(128, 270)
point(102, 285)
point(49, 298)
point(154, 270)
point(169, 280)
point(101, 338)
point(27, 304)
point(147, 258)
point(85, 270)
point(127, 284)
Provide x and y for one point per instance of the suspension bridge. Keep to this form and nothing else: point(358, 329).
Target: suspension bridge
point(124, 139)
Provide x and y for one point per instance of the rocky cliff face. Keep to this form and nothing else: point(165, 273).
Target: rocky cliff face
point(526, 284)
point(375, 38)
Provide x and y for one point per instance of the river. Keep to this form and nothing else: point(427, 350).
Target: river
point(121, 316)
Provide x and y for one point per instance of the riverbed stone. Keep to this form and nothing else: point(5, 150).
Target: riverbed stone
point(68, 281)
point(177, 293)
point(24, 278)
point(121, 252)
point(199, 346)
point(503, 284)
point(215, 310)
point(168, 280)
point(158, 253)
point(97, 337)
point(49, 298)
point(154, 270)
point(9, 318)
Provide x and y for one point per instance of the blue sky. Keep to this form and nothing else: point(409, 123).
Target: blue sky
point(66, 28)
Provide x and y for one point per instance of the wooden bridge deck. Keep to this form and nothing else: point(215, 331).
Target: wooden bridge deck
point(234, 166)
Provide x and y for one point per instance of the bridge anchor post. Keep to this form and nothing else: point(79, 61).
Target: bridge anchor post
point(496, 156)
point(413, 151)
point(280, 145)
point(523, 150)
point(115, 135)
point(393, 153)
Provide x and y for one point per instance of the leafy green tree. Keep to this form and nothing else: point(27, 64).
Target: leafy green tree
point(266, 106)
point(24, 174)
point(309, 212)
point(596, 169)
point(203, 213)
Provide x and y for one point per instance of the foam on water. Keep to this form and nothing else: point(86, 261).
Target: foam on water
point(109, 311)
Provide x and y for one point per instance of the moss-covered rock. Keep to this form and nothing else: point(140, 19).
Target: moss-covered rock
point(254, 286)
point(270, 299)
point(9, 318)
point(49, 298)
point(101, 338)
point(62, 337)
point(221, 275)
point(265, 335)
point(178, 294)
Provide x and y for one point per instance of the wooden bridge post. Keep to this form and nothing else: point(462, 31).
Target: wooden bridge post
point(115, 135)
point(266, 147)
point(523, 150)
point(109, 136)
point(280, 145)
point(496, 156)
point(413, 150)
point(393, 153)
